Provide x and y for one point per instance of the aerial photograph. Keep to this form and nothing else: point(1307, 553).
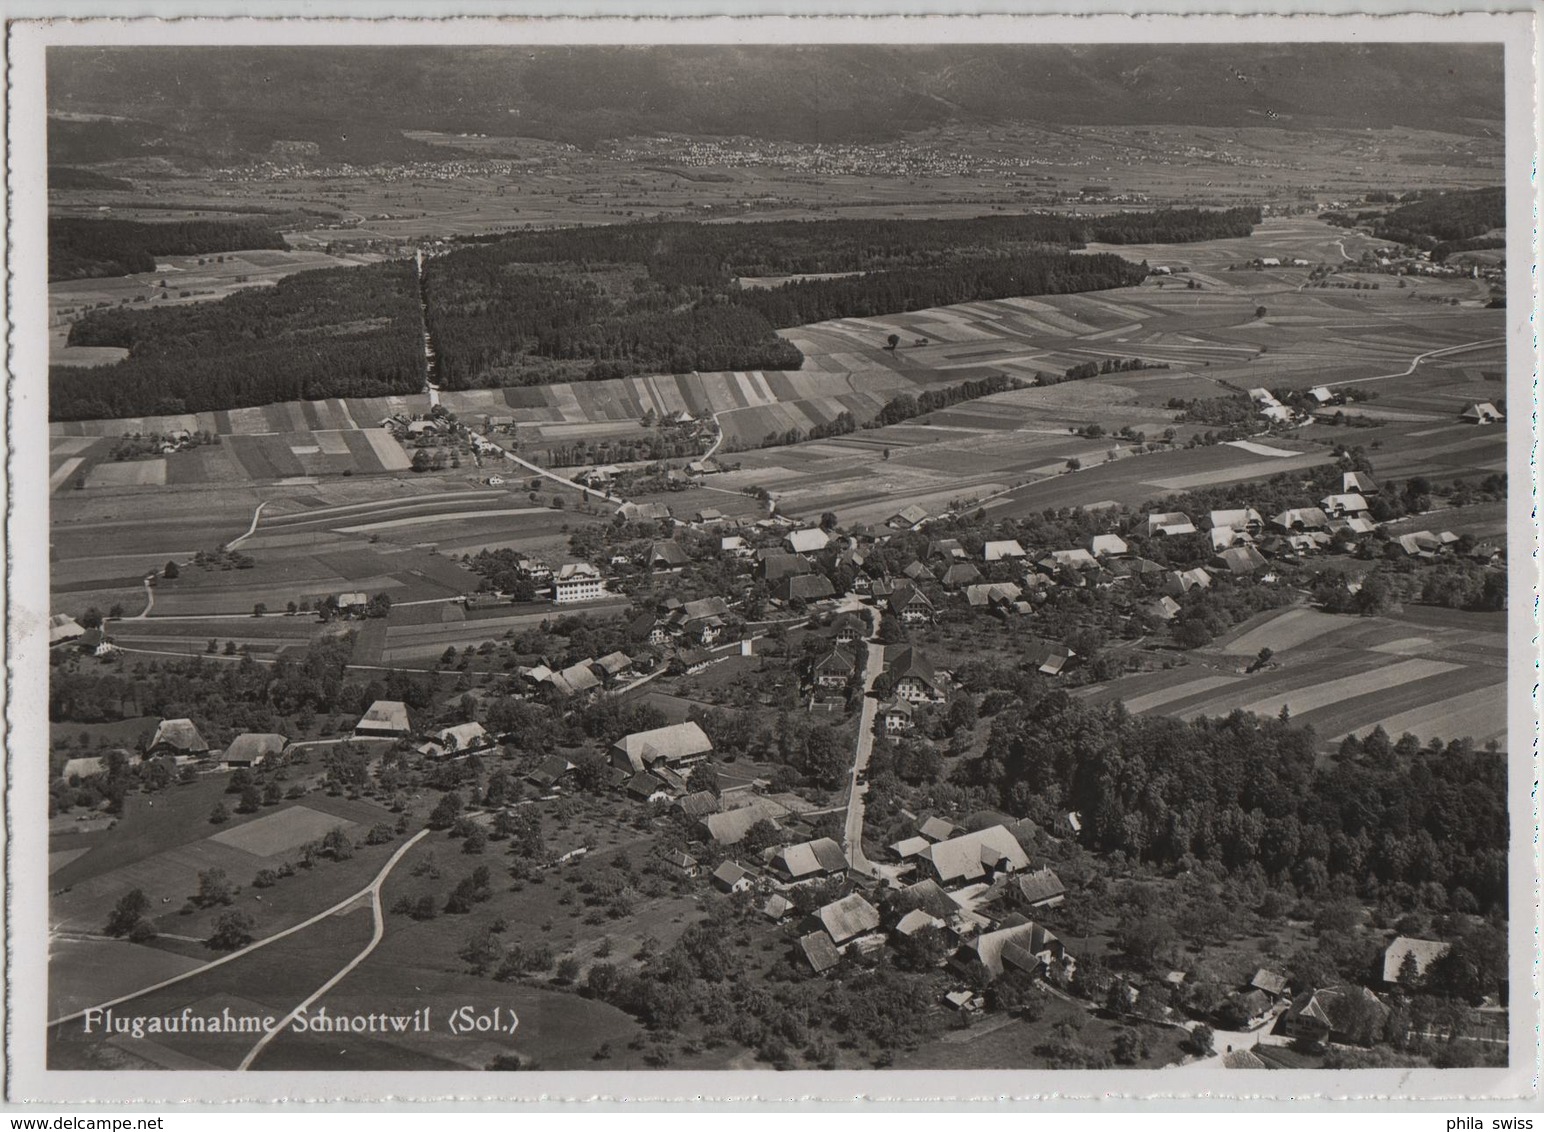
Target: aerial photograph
point(773, 557)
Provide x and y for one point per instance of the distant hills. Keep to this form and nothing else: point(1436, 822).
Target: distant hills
point(351, 103)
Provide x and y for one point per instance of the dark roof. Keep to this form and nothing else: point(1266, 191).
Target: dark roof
point(820, 951)
point(730, 873)
point(669, 552)
point(643, 784)
point(911, 661)
point(804, 587)
point(1043, 884)
point(698, 804)
point(929, 896)
point(776, 565)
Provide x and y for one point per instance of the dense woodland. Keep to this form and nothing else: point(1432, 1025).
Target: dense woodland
point(338, 332)
point(584, 303)
point(1441, 224)
point(89, 249)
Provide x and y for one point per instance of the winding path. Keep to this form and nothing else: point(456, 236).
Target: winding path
point(1419, 358)
point(375, 939)
point(372, 889)
point(852, 830)
point(257, 513)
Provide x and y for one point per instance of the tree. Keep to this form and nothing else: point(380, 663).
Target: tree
point(1129, 1046)
point(219, 815)
point(131, 908)
point(1074, 464)
point(171, 571)
point(893, 341)
point(1259, 312)
point(446, 811)
point(828, 521)
point(337, 844)
point(251, 800)
point(231, 930)
point(214, 888)
point(1201, 1040)
point(703, 776)
point(259, 609)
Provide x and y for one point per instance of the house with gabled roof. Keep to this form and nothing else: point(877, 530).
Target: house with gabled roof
point(848, 627)
point(909, 847)
point(550, 771)
point(1245, 520)
point(808, 540)
point(819, 952)
point(667, 554)
point(907, 518)
point(897, 716)
point(1481, 412)
point(910, 604)
point(453, 742)
point(698, 804)
point(848, 918)
point(730, 877)
point(1301, 519)
point(62, 627)
point(1344, 505)
point(1039, 889)
point(949, 549)
point(803, 587)
point(775, 565)
point(1347, 1014)
point(177, 737)
point(1167, 523)
point(915, 921)
point(1239, 560)
point(253, 748)
point(729, 827)
point(1028, 947)
point(1002, 549)
point(835, 669)
point(1107, 545)
point(1360, 482)
point(960, 574)
point(970, 857)
point(807, 860)
point(645, 787)
point(1266, 981)
point(678, 745)
point(1050, 658)
point(914, 677)
point(936, 829)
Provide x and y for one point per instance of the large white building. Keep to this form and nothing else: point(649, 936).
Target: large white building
point(578, 581)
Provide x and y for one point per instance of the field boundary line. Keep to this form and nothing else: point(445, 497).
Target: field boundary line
point(370, 888)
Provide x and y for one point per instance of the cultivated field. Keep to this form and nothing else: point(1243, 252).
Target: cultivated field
point(1435, 674)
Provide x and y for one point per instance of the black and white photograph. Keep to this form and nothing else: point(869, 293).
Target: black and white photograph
point(717, 554)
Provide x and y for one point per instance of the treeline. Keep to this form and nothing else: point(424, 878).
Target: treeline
point(65, 177)
point(678, 252)
point(1244, 792)
point(338, 332)
point(910, 289)
point(1448, 222)
point(905, 406)
point(79, 248)
point(1086, 370)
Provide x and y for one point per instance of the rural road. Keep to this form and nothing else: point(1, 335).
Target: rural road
point(373, 888)
point(375, 939)
point(1419, 358)
point(852, 832)
point(257, 514)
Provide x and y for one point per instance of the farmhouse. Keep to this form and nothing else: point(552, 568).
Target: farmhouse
point(1007, 548)
point(550, 771)
point(612, 666)
point(1269, 982)
point(1167, 523)
point(1421, 953)
point(1028, 947)
point(252, 749)
point(1360, 482)
point(809, 859)
point(643, 512)
point(993, 595)
point(576, 679)
point(1039, 889)
point(960, 574)
point(1181, 582)
point(680, 862)
point(804, 587)
point(577, 581)
point(1107, 545)
point(915, 921)
point(384, 719)
point(907, 848)
point(1244, 520)
point(668, 554)
point(910, 604)
point(775, 565)
point(848, 918)
point(680, 744)
point(949, 549)
point(915, 677)
point(1074, 559)
point(819, 951)
point(777, 907)
point(907, 518)
point(1239, 560)
point(734, 545)
point(1320, 395)
point(646, 788)
point(1301, 519)
point(697, 805)
point(1344, 506)
point(1481, 412)
point(729, 827)
point(1165, 608)
point(177, 737)
point(1049, 657)
point(453, 742)
point(974, 856)
point(807, 541)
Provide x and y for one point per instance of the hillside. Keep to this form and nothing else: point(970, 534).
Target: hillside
point(225, 103)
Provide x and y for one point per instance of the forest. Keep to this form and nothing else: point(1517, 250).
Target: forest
point(585, 304)
point(89, 249)
point(1383, 817)
point(1441, 224)
point(337, 332)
